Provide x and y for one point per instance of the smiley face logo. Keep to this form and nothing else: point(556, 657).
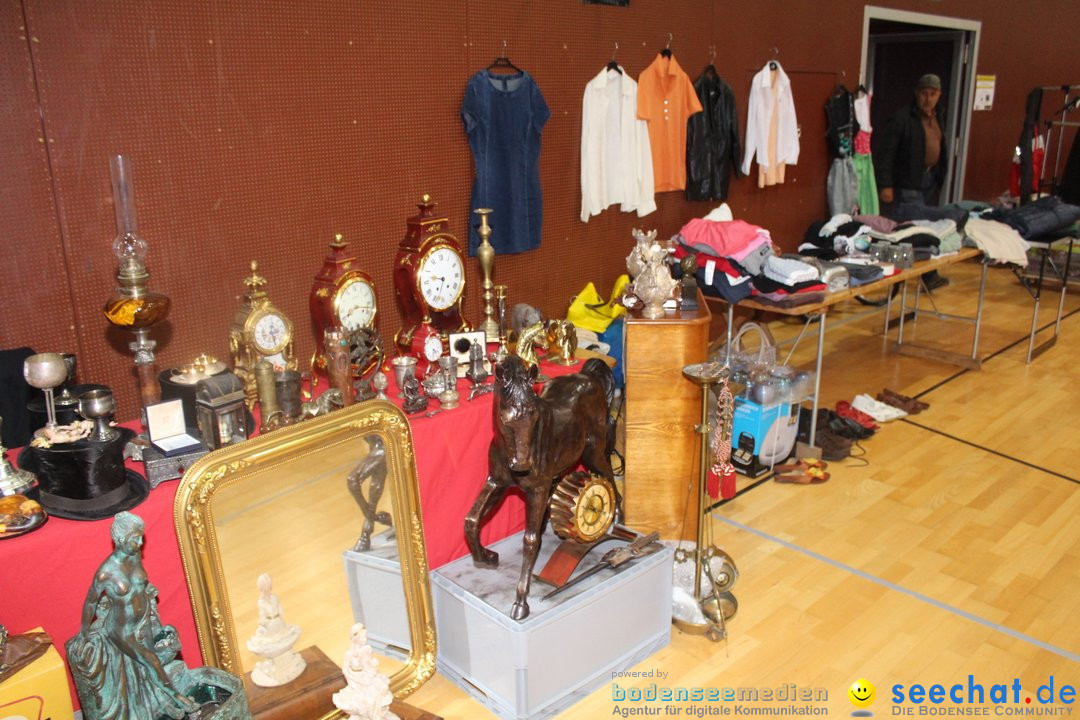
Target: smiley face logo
point(861, 693)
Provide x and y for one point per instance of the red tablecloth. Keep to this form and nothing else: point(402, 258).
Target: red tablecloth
point(45, 574)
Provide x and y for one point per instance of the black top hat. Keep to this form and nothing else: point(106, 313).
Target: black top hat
point(86, 480)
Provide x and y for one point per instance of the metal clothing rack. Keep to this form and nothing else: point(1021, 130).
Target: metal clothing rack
point(1071, 103)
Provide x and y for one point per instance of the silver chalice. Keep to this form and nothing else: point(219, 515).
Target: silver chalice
point(46, 371)
point(98, 406)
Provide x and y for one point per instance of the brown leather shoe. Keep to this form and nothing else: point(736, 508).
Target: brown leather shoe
point(904, 398)
point(908, 406)
point(833, 447)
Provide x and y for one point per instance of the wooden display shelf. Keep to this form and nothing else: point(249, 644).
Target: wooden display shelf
point(662, 411)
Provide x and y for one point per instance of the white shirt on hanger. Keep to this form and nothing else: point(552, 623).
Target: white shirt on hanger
point(616, 158)
point(769, 95)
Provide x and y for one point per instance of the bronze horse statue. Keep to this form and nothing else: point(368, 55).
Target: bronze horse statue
point(537, 439)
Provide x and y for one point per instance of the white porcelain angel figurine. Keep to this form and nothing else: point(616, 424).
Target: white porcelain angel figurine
point(367, 695)
point(273, 641)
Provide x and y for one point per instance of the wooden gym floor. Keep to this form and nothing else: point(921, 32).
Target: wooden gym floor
point(950, 549)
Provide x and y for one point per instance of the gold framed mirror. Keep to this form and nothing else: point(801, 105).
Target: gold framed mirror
point(285, 504)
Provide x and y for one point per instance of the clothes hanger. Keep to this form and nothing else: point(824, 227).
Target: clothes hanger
point(666, 52)
point(840, 89)
point(710, 69)
point(614, 65)
point(503, 62)
point(773, 65)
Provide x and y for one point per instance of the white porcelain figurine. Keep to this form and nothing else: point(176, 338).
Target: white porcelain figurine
point(273, 642)
point(367, 695)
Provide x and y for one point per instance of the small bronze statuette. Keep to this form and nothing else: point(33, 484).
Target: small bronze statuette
point(373, 470)
point(415, 400)
point(338, 363)
point(689, 282)
point(562, 342)
point(531, 338)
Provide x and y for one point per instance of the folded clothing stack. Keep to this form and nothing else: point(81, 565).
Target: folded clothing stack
point(1042, 217)
point(788, 271)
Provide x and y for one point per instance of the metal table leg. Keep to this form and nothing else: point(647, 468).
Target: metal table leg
point(978, 313)
point(1043, 253)
point(888, 310)
point(903, 311)
point(730, 322)
point(1064, 287)
point(817, 377)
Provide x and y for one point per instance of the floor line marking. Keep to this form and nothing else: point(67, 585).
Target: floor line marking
point(1000, 454)
point(997, 627)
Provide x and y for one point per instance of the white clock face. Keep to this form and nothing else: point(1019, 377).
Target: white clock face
point(270, 333)
point(441, 277)
point(355, 304)
point(433, 348)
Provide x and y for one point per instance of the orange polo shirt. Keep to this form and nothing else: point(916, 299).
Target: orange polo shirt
point(666, 99)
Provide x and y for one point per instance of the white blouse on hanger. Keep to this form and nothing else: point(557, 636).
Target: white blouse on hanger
point(616, 158)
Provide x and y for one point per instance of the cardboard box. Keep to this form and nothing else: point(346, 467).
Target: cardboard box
point(762, 435)
point(39, 691)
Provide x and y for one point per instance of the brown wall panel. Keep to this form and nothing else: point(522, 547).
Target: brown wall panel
point(34, 292)
point(258, 129)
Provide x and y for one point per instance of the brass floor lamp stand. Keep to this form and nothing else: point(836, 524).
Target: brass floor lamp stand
point(715, 602)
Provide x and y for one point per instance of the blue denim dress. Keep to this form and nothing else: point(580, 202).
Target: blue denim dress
point(504, 116)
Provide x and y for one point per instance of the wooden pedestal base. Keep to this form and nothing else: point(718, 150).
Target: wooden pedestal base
point(309, 696)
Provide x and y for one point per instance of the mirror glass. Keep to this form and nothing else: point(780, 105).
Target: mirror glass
point(329, 510)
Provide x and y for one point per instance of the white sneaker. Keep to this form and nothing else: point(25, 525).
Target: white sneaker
point(881, 412)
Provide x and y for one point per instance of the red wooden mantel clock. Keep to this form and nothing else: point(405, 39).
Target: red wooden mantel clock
point(342, 295)
point(429, 276)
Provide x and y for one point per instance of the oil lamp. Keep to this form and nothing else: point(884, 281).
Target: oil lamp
point(133, 306)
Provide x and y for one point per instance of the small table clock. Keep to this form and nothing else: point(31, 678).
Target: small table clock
point(259, 331)
point(342, 295)
point(429, 277)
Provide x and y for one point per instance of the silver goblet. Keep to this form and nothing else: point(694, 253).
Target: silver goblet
point(46, 371)
point(99, 405)
point(404, 366)
point(66, 397)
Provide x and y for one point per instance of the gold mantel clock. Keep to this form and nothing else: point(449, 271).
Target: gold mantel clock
point(429, 277)
point(259, 332)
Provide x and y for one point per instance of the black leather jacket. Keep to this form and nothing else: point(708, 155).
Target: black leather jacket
point(712, 140)
point(898, 161)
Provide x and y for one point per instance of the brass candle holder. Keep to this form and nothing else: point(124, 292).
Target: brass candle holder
point(500, 304)
point(486, 254)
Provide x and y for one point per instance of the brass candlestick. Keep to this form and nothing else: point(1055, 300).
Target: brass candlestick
point(133, 306)
point(486, 254)
point(500, 304)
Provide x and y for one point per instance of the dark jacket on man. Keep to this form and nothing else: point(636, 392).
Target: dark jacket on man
point(898, 164)
point(712, 140)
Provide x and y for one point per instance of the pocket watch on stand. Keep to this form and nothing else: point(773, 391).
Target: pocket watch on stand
point(429, 278)
point(259, 332)
point(342, 295)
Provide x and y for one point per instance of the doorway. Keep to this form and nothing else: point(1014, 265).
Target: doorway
point(898, 48)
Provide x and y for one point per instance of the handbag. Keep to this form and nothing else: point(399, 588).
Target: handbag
point(591, 312)
point(741, 359)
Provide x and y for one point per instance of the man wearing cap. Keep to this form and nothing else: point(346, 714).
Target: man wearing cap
point(910, 166)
